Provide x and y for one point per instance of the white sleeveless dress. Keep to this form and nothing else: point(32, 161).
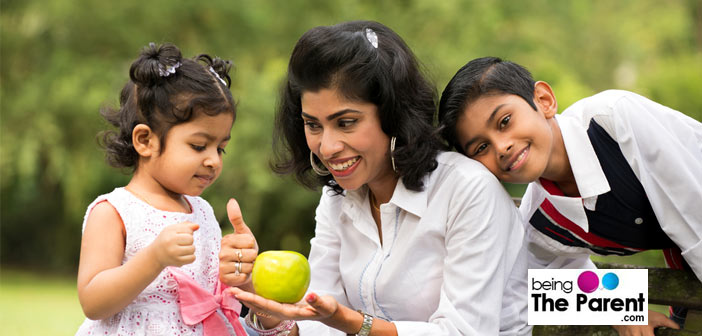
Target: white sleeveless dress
point(155, 311)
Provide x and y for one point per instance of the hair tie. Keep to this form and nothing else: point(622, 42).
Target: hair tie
point(372, 37)
point(212, 70)
point(167, 70)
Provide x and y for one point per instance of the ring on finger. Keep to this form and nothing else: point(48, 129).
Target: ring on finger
point(238, 268)
point(239, 255)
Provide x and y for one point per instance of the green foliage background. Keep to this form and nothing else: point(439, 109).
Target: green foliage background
point(61, 60)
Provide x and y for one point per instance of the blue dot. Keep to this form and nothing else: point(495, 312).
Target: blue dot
point(610, 281)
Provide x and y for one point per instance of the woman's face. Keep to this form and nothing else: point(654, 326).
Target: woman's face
point(346, 136)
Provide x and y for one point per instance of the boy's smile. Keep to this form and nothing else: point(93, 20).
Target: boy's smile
point(506, 135)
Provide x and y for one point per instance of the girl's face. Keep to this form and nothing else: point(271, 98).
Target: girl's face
point(507, 136)
point(346, 136)
point(192, 158)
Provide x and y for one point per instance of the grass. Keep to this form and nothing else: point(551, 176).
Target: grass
point(34, 304)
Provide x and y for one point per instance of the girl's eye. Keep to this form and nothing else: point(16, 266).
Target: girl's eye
point(346, 122)
point(505, 121)
point(198, 148)
point(220, 150)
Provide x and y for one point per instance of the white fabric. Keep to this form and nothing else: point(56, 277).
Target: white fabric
point(444, 262)
point(663, 148)
point(155, 310)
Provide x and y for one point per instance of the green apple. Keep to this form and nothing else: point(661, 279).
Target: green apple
point(281, 276)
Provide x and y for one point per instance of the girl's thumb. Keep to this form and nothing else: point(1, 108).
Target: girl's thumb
point(194, 226)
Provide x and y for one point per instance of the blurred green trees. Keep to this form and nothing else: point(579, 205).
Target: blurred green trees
point(62, 60)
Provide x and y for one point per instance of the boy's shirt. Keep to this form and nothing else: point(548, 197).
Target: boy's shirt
point(662, 146)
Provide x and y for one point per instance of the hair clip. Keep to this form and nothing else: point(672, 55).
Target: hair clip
point(167, 70)
point(372, 37)
point(212, 70)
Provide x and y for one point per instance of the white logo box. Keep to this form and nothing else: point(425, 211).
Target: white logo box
point(556, 297)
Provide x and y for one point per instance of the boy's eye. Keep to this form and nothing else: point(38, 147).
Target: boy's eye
point(505, 121)
point(479, 149)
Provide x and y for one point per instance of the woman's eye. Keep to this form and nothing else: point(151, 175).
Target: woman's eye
point(505, 121)
point(311, 125)
point(346, 122)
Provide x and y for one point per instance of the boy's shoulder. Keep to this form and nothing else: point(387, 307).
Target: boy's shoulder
point(603, 102)
point(602, 106)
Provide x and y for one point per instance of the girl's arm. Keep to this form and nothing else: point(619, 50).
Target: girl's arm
point(105, 286)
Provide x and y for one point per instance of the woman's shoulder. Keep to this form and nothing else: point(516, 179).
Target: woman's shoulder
point(452, 163)
point(458, 172)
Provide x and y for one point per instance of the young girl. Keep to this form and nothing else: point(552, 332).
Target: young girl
point(409, 240)
point(149, 253)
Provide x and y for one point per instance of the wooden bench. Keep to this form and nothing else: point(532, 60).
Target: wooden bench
point(665, 287)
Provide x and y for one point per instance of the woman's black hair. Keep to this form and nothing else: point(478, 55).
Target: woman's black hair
point(480, 77)
point(164, 90)
point(341, 57)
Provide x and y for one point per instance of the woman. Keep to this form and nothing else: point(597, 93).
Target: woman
point(409, 240)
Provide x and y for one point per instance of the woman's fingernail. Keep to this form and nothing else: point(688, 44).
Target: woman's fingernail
point(311, 297)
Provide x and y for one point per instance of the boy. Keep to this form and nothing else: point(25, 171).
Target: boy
point(615, 173)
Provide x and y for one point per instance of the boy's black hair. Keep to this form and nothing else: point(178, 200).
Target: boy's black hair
point(164, 90)
point(480, 77)
point(341, 57)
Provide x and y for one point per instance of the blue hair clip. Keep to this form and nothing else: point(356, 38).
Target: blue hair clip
point(372, 37)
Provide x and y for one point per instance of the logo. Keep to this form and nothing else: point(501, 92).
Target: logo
point(588, 297)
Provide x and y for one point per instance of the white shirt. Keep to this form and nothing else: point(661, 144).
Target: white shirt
point(446, 255)
point(663, 148)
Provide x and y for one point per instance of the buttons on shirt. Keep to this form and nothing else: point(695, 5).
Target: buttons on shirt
point(638, 220)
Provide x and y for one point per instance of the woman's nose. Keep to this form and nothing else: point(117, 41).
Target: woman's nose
point(330, 145)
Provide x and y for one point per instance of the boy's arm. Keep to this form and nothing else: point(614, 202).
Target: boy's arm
point(664, 148)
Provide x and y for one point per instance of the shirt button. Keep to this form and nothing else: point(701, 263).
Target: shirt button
point(638, 220)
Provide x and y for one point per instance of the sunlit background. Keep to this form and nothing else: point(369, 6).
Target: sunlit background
point(62, 60)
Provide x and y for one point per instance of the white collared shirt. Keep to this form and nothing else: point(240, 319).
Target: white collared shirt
point(446, 256)
point(663, 148)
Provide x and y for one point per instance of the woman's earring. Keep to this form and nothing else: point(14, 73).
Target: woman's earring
point(392, 153)
point(320, 172)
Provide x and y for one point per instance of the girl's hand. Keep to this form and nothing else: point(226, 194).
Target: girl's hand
point(655, 320)
point(314, 307)
point(174, 245)
point(238, 251)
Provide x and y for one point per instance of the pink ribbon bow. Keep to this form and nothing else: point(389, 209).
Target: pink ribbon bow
point(198, 305)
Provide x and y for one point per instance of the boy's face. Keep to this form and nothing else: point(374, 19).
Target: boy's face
point(506, 135)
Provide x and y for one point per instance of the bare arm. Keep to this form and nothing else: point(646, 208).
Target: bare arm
point(105, 286)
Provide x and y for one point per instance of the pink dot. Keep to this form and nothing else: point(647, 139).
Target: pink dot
point(588, 281)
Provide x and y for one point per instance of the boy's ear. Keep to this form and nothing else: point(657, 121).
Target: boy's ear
point(545, 100)
point(144, 140)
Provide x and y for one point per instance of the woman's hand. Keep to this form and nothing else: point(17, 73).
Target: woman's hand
point(314, 307)
point(238, 251)
point(655, 320)
point(174, 245)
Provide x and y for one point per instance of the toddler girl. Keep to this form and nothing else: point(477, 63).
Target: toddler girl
point(149, 253)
